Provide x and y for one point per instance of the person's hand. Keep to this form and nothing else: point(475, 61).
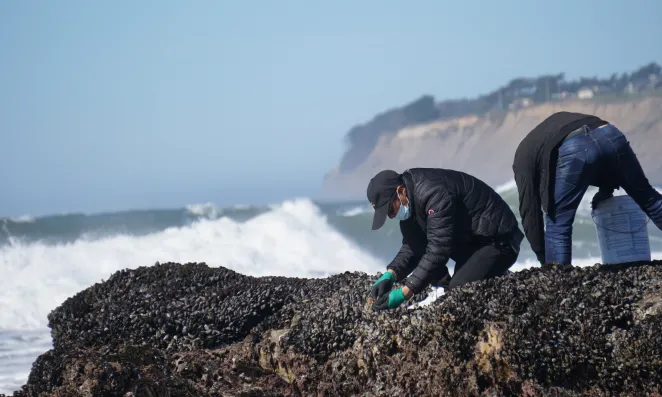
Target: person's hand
point(382, 286)
point(390, 301)
point(601, 195)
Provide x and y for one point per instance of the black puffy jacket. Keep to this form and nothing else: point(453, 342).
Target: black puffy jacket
point(451, 210)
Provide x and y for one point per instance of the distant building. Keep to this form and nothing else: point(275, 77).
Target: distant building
point(629, 89)
point(525, 91)
point(561, 95)
point(520, 103)
point(585, 93)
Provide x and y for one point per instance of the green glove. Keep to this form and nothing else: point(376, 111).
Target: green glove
point(390, 301)
point(383, 285)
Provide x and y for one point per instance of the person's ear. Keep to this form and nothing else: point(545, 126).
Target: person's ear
point(400, 190)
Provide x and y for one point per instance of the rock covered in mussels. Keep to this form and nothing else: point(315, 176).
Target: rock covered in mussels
point(192, 306)
point(195, 330)
point(168, 306)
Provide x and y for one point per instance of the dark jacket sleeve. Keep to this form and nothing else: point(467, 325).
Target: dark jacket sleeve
point(403, 262)
point(440, 209)
point(409, 255)
point(531, 212)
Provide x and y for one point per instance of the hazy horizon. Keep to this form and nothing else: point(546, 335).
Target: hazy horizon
point(122, 105)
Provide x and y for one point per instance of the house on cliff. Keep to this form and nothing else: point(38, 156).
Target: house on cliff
point(520, 103)
point(585, 93)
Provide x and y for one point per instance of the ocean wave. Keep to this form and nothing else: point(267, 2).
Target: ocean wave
point(210, 210)
point(18, 350)
point(354, 211)
point(22, 219)
point(509, 190)
point(506, 187)
point(292, 240)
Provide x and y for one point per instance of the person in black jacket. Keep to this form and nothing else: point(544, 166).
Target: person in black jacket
point(444, 214)
point(554, 165)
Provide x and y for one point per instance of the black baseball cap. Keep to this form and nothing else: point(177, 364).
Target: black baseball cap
point(381, 193)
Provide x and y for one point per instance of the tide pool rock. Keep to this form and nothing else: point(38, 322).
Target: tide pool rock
point(193, 330)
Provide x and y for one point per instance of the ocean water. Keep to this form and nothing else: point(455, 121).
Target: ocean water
point(45, 260)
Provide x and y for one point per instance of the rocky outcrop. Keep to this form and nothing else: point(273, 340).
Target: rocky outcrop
point(484, 146)
point(191, 330)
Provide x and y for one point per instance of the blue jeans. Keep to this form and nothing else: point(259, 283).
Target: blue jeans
point(600, 157)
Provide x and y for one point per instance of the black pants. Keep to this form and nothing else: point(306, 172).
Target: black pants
point(481, 263)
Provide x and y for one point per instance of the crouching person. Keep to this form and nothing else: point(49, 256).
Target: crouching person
point(444, 214)
point(556, 163)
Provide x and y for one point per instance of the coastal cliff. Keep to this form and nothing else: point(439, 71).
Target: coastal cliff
point(484, 145)
point(192, 330)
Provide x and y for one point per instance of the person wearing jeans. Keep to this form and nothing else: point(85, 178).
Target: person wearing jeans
point(554, 166)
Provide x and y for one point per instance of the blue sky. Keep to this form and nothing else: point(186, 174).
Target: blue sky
point(142, 104)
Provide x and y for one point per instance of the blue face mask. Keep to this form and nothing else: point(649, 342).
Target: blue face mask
point(403, 212)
